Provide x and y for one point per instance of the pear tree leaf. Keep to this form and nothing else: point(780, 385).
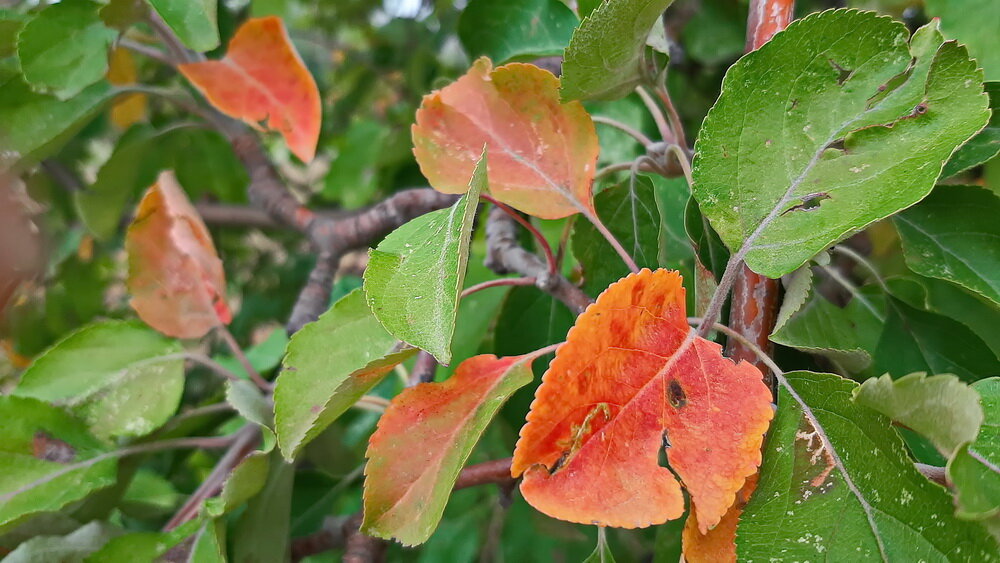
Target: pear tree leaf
point(819, 499)
point(64, 48)
point(972, 22)
point(606, 57)
point(953, 235)
point(122, 378)
point(984, 146)
point(975, 467)
point(329, 365)
point(416, 273)
point(516, 29)
point(194, 21)
point(833, 124)
point(72, 547)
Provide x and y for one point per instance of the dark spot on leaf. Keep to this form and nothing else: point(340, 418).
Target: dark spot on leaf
point(51, 449)
point(675, 394)
point(795, 104)
point(920, 109)
point(666, 439)
point(315, 409)
point(843, 73)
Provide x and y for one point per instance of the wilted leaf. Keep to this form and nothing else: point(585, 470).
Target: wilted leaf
point(130, 108)
point(424, 439)
point(542, 153)
point(123, 379)
point(940, 407)
point(175, 277)
point(953, 235)
point(631, 379)
point(516, 28)
point(814, 503)
point(329, 365)
point(64, 48)
point(194, 21)
point(633, 218)
point(828, 128)
point(414, 276)
point(263, 78)
point(606, 57)
point(40, 442)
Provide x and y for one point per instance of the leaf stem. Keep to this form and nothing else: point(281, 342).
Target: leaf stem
point(539, 237)
point(145, 50)
point(864, 262)
point(230, 341)
point(372, 403)
point(764, 358)
point(721, 293)
point(631, 131)
point(675, 119)
point(684, 161)
point(661, 122)
point(497, 283)
point(608, 236)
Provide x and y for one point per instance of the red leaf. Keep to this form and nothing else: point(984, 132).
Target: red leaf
point(717, 545)
point(262, 78)
point(424, 439)
point(175, 277)
point(631, 378)
point(543, 153)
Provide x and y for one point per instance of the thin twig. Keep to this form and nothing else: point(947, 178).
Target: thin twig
point(661, 122)
point(615, 244)
point(145, 50)
point(631, 131)
point(674, 118)
point(242, 358)
point(564, 241)
point(864, 262)
point(424, 369)
point(539, 237)
point(497, 283)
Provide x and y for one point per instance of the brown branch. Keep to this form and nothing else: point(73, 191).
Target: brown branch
point(424, 369)
point(754, 308)
point(505, 256)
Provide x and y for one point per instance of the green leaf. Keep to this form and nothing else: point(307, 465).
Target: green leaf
point(246, 481)
point(149, 495)
point(69, 548)
point(953, 235)
point(618, 146)
point(414, 277)
point(973, 23)
point(353, 177)
point(602, 553)
point(915, 340)
point(11, 23)
point(816, 504)
point(405, 494)
point(983, 146)
point(798, 287)
point(973, 469)
point(827, 129)
point(716, 33)
point(606, 57)
point(33, 125)
point(147, 546)
point(515, 29)
point(40, 446)
point(675, 251)
point(64, 48)
point(530, 319)
point(329, 365)
point(249, 402)
point(940, 407)
point(952, 301)
point(262, 533)
point(846, 336)
point(194, 21)
point(711, 252)
point(633, 218)
point(122, 378)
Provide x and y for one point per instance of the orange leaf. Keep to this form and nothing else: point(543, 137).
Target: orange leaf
point(263, 77)
point(424, 439)
point(130, 108)
point(718, 545)
point(174, 275)
point(543, 153)
point(631, 379)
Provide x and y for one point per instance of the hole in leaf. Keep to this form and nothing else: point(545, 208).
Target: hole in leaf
point(809, 202)
point(843, 73)
point(837, 145)
point(891, 85)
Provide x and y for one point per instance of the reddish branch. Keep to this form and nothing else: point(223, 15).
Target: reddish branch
point(754, 306)
point(504, 255)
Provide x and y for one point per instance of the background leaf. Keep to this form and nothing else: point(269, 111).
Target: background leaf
point(194, 21)
point(517, 29)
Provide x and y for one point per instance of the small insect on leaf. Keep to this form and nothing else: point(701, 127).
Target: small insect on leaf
point(175, 276)
point(633, 379)
point(543, 153)
point(262, 78)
